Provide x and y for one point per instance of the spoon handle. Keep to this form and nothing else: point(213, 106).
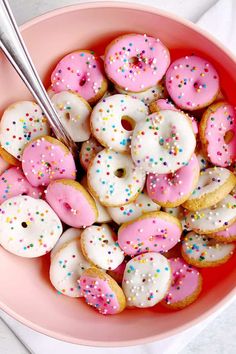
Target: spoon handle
point(13, 46)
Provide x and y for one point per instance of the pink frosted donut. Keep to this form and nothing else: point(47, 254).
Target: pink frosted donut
point(218, 134)
point(101, 292)
point(81, 72)
point(13, 183)
point(136, 62)
point(171, 190)
point(192, 82)
point(186, 284)
point(3, 165)
point(151, 232)
point(46, 159)
point(71, 202)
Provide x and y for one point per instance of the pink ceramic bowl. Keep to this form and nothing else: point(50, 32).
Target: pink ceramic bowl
point(25, 290)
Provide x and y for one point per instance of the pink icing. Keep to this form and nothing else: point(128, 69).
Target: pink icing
point(136, 62)
point(174, 186)
point(44, 161)
point(98, 293)
point(150, 234)
point(81, 72)
point(185, 281)
point(70, 204)
point(163, 104)
point(223, 120)
point(229, 233)
point(192, 82)
point(13, 183)
point(3, 165)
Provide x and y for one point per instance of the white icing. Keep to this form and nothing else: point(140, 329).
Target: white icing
point(100, 247)
point(108, 187)
point(204, 249)
point(203, 163)
point(67, 236)
point(66, 268)
point(88, 151)
point(142, 204)
point(28, 227)
point(146, 279)
point(74, 113)
point(106, 120)
point(163, 142)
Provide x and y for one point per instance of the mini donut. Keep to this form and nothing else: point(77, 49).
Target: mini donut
point(21, 122)
point(103, 215)
point(72, 203)
point(213, 219)
point(114, 118)
point(100, 247)
point(89, 150)
point(171, 190)
point(192, 82)
point(186, 285)
point(13, 183)
point(147, 97)
point(162, 104)
point(102, 292)
point(136, 62)
point(28, 226)
point(46, 159)
point(146, 279)
point(180, 213)
point(8, 158)
point(67, 236)
point(213, 185)
point(202, 251)
point(118, 272)
point(114, 179)
point(217, 131)
point(227, 235)
point(74, 113)
point(203, 162)
point(152, 232)
point(67, 266)
point(163, 142)
point(142, 204)
point(3, 165)
point(81, 72)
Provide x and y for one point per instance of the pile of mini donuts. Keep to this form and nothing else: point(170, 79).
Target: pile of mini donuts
point(150, 200)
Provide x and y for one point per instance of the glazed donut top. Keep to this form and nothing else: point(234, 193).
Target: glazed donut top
point(114, 179)
point(136, 62)
point(146, 279)
point(108, 116)
point(28, 226)
point(21, 122)
point(192, 82)
point(204, 249)
point(160, 145)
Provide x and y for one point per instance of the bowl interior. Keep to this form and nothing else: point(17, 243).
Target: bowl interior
point(25, 290)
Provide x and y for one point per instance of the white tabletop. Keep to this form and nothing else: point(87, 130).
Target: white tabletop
point(219, 336)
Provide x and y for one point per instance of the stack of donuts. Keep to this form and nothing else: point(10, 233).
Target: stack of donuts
point(150, 200)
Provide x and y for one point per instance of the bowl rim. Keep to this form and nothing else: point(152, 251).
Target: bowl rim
point(229, 298)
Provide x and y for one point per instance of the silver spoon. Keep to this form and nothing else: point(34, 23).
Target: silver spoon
point(12, 44)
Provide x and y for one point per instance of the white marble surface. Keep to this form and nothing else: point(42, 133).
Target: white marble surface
point(219, 336)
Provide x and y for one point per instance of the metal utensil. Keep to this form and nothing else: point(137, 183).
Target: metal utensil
point(12, 44)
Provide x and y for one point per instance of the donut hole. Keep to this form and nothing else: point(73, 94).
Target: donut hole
point(24, 225)
point(120, 173)
point(67, 206)
point(228, 137)
point(134, 61)
point(127, 123)
point(211, 242)
point(67, 116)
point(82, 81)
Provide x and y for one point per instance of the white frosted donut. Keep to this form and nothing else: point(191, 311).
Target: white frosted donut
point(28, 227)
point(146, 279)
point(202, 251)
point(203, 163)
point(100, 247)
point(21, 122)
point(147, 96)
point(88, 151)
point(142, 204)
point(67, 266)
point(113, 119)
point(74, 113)
point(213, 185)
point(114, 179)
point(67, 236)
point(163, 142)
point(216, 218)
